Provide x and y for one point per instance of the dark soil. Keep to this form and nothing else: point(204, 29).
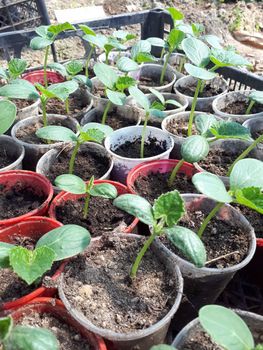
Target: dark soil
point(151, 82)
point(22, 103)
point(99, 91)
point(103, 216)
point(179, 127)
point(88, 163)
point(18, 200)
point(98, 285)
point(209, 90)
point(240, 107)
point(220, 238)
point(153, 185)
point(132, 149)
point(116, 121)
point(255, 219)
point(257, 133)
point(5, 159)
point(66, 335)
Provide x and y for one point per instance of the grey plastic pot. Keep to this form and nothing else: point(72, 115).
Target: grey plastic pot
point(222, 101)
point(142, 339)
point(253, 321)
point(175, 60)
point(203, 104)
point(33, 152)
point(29, 111)
point(97, 101)
point(254, 125)
point(51, 157)
point(13, 151)
point(153, 71)
point(123, 165)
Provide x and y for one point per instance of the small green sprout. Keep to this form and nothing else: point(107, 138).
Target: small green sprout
point(15, 69)
point(161, 103)
point(254, 97)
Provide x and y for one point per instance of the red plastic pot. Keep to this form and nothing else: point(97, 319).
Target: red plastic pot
point(157, 166)
point(64, 196)
point(38, 77)
point(39, 182)
point(33, 227)
point(56, 308)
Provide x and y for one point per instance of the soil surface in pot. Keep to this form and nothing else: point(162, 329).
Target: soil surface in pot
point(20, 104)
point(5, 159)
point(68, 338)
point(220, 238)
point(103, 216)
point(257, 133)
point(255, 219)
point(179, 127)
point(88, 163)
point(116, 121)
point(208, 91)
point(153, 185)
point(240, 107)
point(98, 285)
point(99, 91)
point(132, 149)
point(152, 82)
point(18, 200)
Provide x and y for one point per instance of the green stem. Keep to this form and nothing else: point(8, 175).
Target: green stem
point(162, 53)
point(245, 153)
point(164, 68)
point(73, 157)
point(67, 105)
point(143, 134)
point(203, 82)
point(208, 218)
point(45, 67)
point(44, 112)
point(174, 172)
point(181, 64)
point(105, 114)
point(107, 57)
point(88, 61)
point(86, 206)
point(191, 118)
point(250, 106)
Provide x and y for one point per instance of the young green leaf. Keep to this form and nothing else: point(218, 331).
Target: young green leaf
point(197, 29)
point(6, 325)
point(141, 46)
point(4, 254)
point(125, 64)
point(96, 40)
point(251, 197)
point(87, 29)
point(65, 241)
point(169, 207)
point(39, 43)
point(140, 98)
point(74, 67)
point(106, 75)
point(154, 41)
point(116, 97)
point(145, 57)
point(124, 83)
point(174, 39)
point(43, 32)
point(7, 115)
point(173, 102)
point(20, 89)
point(3, 74)
point(104, 191)
point(56, 133)
point(175, 14)
point(56, 29)
point(234, 130)
point(16, 67)
point(198, 72)
point(213, 40)
point(256, 96)
point(158, 95)
point(225, 58)
point(197, 51)
point(92, 135)
point(30, 265)
point(58, 67)
point(157, 113)
point(71, 183)
point(106, 129)
point(203, 122)
point(157, 105)
point(188, 243)
point(247, 173)
point(63, 90)
point(194, 148)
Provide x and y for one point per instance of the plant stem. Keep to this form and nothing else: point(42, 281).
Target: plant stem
point(162, 53)
point(45, 67)
point(67, 105)
point(191, 118)
point(73, 157)
point(107, 58)
point(88, 61)
point(203, 82)
point(175, 171)
point(44, 111)
point(181, 64)
point(86, 206)
point(105, 114)
point(208, 218)
point(143, 134)
point(250, 106)
point(245, 153)
point(164, 68)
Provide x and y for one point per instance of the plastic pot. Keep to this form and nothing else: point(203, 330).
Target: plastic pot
point(51, 157)
point(32, 180)
point(13, 151)
point(123, 165)
point(231, 97)
point(33, 152)
point(37, 76)
point(29, 111)
point(142, 339)
point(97, 101)
point(254, 322)
point(56, 308)
point(203, 104)
point(175, 60)
point(157, 166)
point(113, 57)
point(35, 228)
point(153, 71)
point(254, 125)
point(63, 197)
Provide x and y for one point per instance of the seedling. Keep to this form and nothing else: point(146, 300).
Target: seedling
point(15, 69)
point(226, 328)
point(115, 86)
point(144, 103)
point(86, 134)
point(56, 245)
point(162, 217)
point(46, 35)
point(246, 184)
point(7, 115)
point(254, 97)
point(25, 338)
point(161, 103)
point(74, 184)
point(123, 36)
point(141, 51)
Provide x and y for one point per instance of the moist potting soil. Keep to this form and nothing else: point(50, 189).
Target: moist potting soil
point(151, 82)
point(116, 121)
point(255, 219)
point(22, 103)
point(5, 159)
point(208, 91)
point(240, 107)
point(180, 128)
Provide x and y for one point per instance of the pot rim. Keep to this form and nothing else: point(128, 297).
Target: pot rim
point(19, 159)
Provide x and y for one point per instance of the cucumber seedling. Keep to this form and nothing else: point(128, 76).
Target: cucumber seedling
point(255, 97)
point(161, 103)
point(15, 69)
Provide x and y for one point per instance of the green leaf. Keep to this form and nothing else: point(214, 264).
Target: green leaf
point(92, 135)
point(256, 96)
point(74, 67)
point(124, 83)
point(175, 14)
point(3, 73)
point(173, 102)
point(16, 67)
point(157, 105)
point(30, 265)
point(61, 27)
point(106, 75)
point(144, 57)
point(251, 197)
point(116, 97)
point(227, 58)
point(96, 40)
point(63, 90)
point(140, 46)
point(140, 98)
point(203, 122)
point(20, 89)
point(233, 130)
point(169, 207)
point(162, 347)
point(87, 30)
point(106, 129)
point(29, 338)
point(45, 92)
point(136, 206)
point(157, 113)
point(7, 115)
point(113, 43)
point(56, 133)
point(39, 43)
point(71, 183)
point(4, 254)
point(213, 40)
point(174, 39)
point(58, 67)
point(188, 243)
point(212, 186)
point(226, 328)
point(6, 325)
point(197, 51)
point(199, 73)
point(43, 32)
point(197, 28)
point(194, 148)
point(125, 64)
point(66, 241)
point(247, 173)
point(154, 41)
point(158, 95)
point(120, 34)
point(104, 191)
point(82, 79)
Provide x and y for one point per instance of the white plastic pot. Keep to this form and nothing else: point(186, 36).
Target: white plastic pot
point(175, 60)
point(253, 125)
point(29, 111)
point(97, 101)
point(13, 150)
